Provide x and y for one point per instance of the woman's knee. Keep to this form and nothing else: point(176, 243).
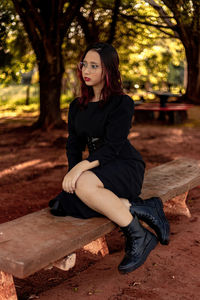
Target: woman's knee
point(126, 202)
point(87, 182)
point(81, 182)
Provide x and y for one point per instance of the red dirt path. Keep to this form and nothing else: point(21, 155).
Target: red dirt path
point(32, 165)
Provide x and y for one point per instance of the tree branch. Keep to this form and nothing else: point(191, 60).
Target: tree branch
point(133, 18)
point(33, 33)
point(39, 21)
point(114, 21)
point(71, 12)
point(160, 27)
point(196, 21)
point(183, 28)
point(89, 26)
point(169, 34)
point(164, 16)
point(84, 25)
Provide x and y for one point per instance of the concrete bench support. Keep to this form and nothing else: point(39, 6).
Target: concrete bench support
point(98, 246)
point(66, 263)
point(95, 247)
point(177, 206)
point(7, 287)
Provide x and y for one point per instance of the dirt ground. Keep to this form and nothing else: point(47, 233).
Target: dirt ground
point(32, 165)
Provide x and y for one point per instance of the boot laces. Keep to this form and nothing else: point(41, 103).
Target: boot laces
point(130, 246)
point(129, 242)
point(150, 217)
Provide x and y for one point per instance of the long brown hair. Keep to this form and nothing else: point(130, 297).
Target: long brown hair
point(113, 83)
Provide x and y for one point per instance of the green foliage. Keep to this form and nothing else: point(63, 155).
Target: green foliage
point(176, 74)
point(141, 63)
point(146, 54)
point(16, 53)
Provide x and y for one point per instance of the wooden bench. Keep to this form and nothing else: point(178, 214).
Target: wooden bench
point(176, 112)
point(38, 240)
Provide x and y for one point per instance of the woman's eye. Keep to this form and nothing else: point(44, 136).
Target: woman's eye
point(94, 66)
point(84, 64)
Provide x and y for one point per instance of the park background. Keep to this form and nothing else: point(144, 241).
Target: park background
point(159, 47)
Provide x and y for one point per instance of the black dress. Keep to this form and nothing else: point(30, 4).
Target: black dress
point(121, 168)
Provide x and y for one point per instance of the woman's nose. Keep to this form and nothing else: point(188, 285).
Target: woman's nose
point(87, 70)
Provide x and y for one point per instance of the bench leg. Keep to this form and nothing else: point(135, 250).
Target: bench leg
point(69, 261)
point(7, 287)
point(66, 263)
point(177, 206)
point(97, 246)
point(180, 116)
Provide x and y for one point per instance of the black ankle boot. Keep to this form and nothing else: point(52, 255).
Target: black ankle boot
point(139, 243)
point(151, 212)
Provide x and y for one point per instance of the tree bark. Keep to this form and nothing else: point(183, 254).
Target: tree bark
point(114, 22)
point(50, 91)
point(89, 26)
point(28, 94)
point(92, 29)
point(193, 81)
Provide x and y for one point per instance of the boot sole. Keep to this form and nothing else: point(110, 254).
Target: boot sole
point(149, 247)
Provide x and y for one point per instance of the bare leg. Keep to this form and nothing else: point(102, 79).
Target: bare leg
point(139, 241)
point(92, 192)
point(126, 202)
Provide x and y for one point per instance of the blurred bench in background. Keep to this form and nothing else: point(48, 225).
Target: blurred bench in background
point(173, 113)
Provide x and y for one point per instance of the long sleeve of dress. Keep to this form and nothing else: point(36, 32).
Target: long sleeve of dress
point(117, 130)
point(74, 146)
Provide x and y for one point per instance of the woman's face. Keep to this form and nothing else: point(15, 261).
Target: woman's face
point(92, 70)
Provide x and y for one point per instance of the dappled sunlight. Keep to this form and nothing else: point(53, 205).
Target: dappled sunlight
point(133, 135)
point(177, 131)
point(16, 168)
point(13, 101)
point(15, 93)
point(49, 164)
point(6, 157)
point(175, 137)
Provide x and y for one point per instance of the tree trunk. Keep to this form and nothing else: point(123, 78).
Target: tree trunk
point(50, 73)
point(193, 81)
point(46, 23)
point(114, 22)
point(28, 95)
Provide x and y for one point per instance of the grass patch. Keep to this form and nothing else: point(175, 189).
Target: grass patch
point(13, 105)
point(13, 101)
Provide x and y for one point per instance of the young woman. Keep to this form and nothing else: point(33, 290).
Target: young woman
point(109, 181)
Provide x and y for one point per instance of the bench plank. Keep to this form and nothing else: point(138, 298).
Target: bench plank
point(168, 107)
point(171, 179)
point(32, 242)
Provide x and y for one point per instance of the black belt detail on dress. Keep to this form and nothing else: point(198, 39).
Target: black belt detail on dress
point(94, 143)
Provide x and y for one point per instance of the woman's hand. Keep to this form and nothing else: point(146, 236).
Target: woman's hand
point(69, 181)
